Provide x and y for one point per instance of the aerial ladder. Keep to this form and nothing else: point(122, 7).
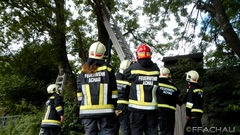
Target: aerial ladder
point(122, 48)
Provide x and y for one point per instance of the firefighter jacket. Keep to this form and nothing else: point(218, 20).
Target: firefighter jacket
point(167, 94)
point(194, 99)
point(97, 92)
point(143, 76)
point(123, 87)
point(54, 109)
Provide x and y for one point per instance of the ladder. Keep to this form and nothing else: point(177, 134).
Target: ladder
point(61, 81)
point(119, 42)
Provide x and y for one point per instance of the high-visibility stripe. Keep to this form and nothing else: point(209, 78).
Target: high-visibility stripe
point(189, 105)
point(79, 96)
point(59, 108)
point(122, 102)
point(104, 68)
point(105, 93)
point(123, 82)
point(154, 96)
point(47, 112)
point(141, 93)
point(145, 72)
point(115, 94)
point(52, 97)
point(197, 90)
point(197, 110)
point(96, 111)
point(142, 107)
point(51, 122)
point(101, 94)
point(142, 103)
point(167, 86)
point(88, 94)
point(95, 107)
point(138, 92)
point(167, 106)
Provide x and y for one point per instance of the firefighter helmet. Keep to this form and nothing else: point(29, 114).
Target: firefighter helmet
point(124, 65)
point(143, 51)
point(97, 50)
point(192, 76)
point(165, 73)
point(53, 88)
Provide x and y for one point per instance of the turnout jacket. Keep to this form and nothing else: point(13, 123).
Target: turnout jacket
point(97, 92)
point(143, 76)
point(123, 87)
point(54, 109)
point(167, 94)
point(194, 99)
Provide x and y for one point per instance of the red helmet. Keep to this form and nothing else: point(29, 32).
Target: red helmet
point(143, 51)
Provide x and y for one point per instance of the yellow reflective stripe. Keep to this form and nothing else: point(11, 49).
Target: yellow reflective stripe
point(114, 92)
point(52, 97)
point(197, 110)
point(189, 106)
point(145, 72)
point(123, 82)
point(168, 86)
point(141, 93)
point(92, 107)
point(58, 108)
point(122, 102)
point(51, 121)
point(142, 103)
point(88, 94)
point(47, 112)
point(79, 94)
point(104, 68)
point(197, 90)
point(154, 97)
point(167, 106)
point(101, 94)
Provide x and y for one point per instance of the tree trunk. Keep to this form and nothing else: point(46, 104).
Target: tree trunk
point(59, 40)
point(228, 33)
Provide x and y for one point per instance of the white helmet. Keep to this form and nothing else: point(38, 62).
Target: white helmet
point(165, 73)
point(52, 88)
point(192, 76)
point(97, 50)
point(124, 65)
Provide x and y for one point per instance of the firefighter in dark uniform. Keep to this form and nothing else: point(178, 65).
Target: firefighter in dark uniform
point(97, 92)
point(121, 111)
point(194, 104)
point(168, 95)
point(54, 114)
point(143, 76)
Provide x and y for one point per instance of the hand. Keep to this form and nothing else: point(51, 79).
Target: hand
point(62, 119)
point(118, 112)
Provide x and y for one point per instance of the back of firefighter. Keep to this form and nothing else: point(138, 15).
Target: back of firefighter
point(194, 104)
point(143, 76)
point(54, 113)
point(167, 97)
point(96, 92)
point(122, 112)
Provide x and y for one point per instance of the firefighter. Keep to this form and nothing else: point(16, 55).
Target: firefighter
point(143, 76)
point(167, 96)
point(122, 112)
point(97, 92)
point(54, 114)
point(194, 104)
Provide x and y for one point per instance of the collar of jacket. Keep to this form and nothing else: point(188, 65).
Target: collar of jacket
point(145, 62)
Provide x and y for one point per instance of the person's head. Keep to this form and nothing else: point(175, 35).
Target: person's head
point(143, 52)
point(97, 50)
point(53, 88)
point(124, 65)
point(192, 76)
point(165, 73)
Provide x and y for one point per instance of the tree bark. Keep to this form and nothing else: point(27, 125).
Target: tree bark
point(228, 32)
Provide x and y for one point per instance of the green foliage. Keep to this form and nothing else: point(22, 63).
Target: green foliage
point(72, 124)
